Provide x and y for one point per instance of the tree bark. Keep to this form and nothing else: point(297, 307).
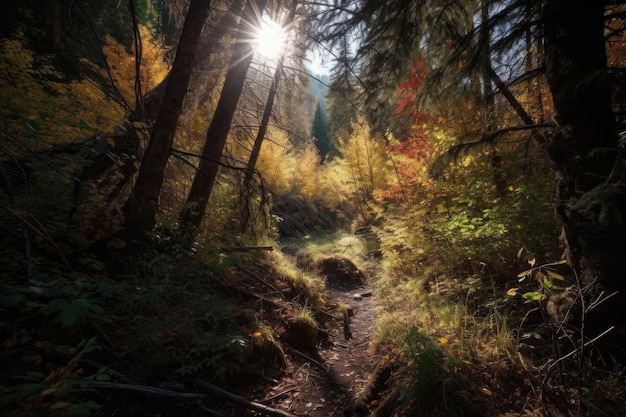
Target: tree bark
point(140, 209)
point(590, 195)
point(219, 128)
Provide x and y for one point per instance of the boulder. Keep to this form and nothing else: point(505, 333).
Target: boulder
point(341, 273)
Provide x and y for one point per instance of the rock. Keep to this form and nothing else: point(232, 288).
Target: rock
point(341, 273)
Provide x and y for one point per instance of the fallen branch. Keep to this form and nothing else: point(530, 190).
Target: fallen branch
point(263, 298)
point(280, 394)
point(142, 389)
point(310, 359)
point(236, 399)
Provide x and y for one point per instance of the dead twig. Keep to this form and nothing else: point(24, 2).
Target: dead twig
point(280, 394)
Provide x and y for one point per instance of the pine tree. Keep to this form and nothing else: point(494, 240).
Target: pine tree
point(141, 207)
point(320, 131)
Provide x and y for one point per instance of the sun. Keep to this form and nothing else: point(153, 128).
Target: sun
point(271, 39)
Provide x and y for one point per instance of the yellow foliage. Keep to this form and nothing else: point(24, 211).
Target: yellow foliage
point(40, 108)
point(363, 169)
point(276, 161)
point(122, 64)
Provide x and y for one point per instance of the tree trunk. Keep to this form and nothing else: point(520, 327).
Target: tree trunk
point(140, 209)
point(127, 142)
point(590, 195)
point(267, 111)
point(260, 136)
point(219, 128)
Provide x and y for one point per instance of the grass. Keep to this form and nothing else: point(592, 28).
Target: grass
point(426, 319)
point(304, 327)
point(305, 286)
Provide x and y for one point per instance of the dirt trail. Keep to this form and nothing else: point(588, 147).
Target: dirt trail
point(330, 383)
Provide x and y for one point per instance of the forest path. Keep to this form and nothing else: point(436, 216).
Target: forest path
point(328, 384)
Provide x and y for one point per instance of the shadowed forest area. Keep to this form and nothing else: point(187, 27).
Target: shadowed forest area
point(313, 208)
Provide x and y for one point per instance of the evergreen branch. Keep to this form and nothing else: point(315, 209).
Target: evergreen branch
point(489, 138)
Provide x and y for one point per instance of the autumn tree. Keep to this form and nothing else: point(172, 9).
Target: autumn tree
point(269, 104)
point(586, 151)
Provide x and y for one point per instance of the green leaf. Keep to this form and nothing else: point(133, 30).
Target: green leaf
point(96, 308)
point(84, 125)
point(34, 126)
point(67, 317)
point(555, 275)
point(103, 377)
point(547, 282)
point(534, 296)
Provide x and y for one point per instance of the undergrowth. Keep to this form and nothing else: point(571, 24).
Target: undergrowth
point(77, 310)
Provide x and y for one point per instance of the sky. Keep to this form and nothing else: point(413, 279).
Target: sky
point(317, 64)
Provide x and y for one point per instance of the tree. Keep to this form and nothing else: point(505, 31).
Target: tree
point(590, 195)
point(320, 131)
point(125, 144)
point(68, 33)
point(140, 209)
point(219, 128)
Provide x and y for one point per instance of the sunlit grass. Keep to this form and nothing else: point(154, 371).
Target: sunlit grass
point(306, 285)
point(464, 334)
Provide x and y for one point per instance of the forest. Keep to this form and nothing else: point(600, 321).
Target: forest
point(313, 208)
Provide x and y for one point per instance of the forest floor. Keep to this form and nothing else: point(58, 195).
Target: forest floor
point(331, 380)
point(331, 383)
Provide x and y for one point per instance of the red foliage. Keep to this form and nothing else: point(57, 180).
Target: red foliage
point(414, 132)
point(415, 143)
point(407, 94)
